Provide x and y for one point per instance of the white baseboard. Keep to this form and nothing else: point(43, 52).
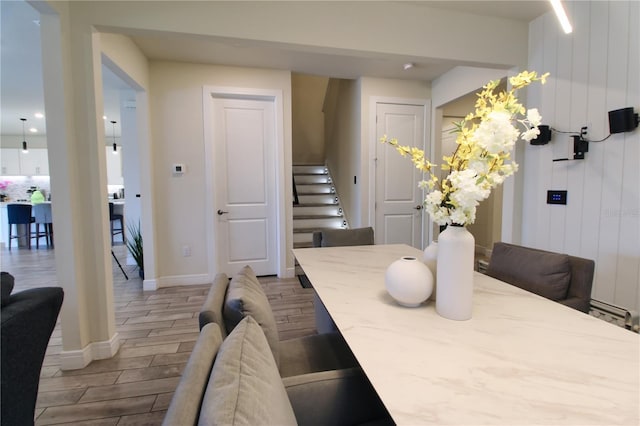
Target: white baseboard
point(75, 360)
point(178, 280)
point(289, 273)
point(149, 285)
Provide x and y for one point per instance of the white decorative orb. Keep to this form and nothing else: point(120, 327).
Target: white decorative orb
point(430, 258)
point(409, 281)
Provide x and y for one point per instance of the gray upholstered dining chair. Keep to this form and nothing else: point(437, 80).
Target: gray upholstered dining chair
point(559, 277)
point(335, 238)
point(343, 237)
point(43, 216)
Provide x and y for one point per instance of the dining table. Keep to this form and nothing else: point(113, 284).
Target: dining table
point(520, 360)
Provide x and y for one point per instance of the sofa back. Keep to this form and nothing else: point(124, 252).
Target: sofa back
point(211, 310)
point(187, 399)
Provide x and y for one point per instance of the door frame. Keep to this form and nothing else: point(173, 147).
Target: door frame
point(373, 142)
point(243, 93)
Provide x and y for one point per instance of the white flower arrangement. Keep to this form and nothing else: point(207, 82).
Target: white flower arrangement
point(482, 160)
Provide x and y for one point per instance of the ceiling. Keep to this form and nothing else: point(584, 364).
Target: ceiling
point(21, 73)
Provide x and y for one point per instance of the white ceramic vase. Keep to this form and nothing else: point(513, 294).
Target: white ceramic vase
point(409, 281)
point(456, 247)
point(430, 258)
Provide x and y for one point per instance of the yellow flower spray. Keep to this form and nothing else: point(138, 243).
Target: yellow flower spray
point(484, 143)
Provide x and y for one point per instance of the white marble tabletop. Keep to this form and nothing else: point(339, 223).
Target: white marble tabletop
point(520, 360)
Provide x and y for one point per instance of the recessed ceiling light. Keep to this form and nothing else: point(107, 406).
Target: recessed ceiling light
point(407, 66)
point(33, 130)
point(38, 115)
point(104, 117)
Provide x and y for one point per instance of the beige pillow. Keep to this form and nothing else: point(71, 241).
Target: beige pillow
point(245, 387)
point(246, 297)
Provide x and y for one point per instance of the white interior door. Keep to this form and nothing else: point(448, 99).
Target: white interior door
point(245, 182)
point(398, 198)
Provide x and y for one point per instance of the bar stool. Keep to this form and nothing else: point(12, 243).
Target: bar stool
point(113, 217)
point(42, 213)
point(20, 214)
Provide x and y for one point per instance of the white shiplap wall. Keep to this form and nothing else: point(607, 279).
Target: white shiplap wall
point(593, 70)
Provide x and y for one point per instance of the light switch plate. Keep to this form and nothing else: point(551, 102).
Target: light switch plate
point(556, 197)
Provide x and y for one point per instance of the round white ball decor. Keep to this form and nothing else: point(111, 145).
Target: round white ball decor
point(409, 281)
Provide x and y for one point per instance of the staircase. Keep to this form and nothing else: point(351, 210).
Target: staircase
point(318, 204)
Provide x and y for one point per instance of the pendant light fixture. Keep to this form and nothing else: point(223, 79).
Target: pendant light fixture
point(24, 139)
point(115, 147)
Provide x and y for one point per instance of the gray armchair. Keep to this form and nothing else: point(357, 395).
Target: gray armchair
point(558, 277)
point(28, 319)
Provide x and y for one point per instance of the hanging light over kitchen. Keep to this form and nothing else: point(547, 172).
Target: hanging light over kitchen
point(115, 147)
point(24, 139)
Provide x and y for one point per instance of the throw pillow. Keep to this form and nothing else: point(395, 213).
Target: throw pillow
point(246, 297)
point(6, 287)
point(541, 272)
point(245, 387)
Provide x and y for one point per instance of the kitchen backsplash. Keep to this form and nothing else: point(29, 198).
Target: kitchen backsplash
point(17, 187)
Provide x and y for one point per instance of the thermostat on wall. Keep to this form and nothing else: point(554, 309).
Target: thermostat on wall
point(178, 169)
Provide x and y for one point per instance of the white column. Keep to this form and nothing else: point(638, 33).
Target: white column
point(73, 106)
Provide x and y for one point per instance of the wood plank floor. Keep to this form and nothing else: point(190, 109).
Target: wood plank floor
point(158, 330)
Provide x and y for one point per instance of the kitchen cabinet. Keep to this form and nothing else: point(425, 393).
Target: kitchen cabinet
point(34, 163)
point(10, 162)
point(18, 163)
point(114, 166)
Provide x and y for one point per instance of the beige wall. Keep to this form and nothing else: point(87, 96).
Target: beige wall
point(126, 55)
point(177, 127)
point(343, 147)
point(387, 89)
point(349, 139)
point(307, 100)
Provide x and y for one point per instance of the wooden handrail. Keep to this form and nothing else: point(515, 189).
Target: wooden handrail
point(295, 191)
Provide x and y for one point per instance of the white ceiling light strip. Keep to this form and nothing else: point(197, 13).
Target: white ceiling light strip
point(562, 16)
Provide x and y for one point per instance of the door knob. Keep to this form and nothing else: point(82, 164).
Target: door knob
point(418, 207)
point(220, 212)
